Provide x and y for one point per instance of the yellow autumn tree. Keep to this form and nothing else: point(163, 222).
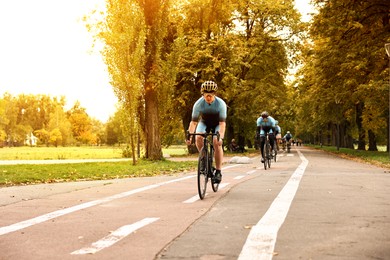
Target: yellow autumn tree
point(132, 32)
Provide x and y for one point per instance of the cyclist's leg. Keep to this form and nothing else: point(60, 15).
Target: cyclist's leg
point(200, 128)
point(271, 140)
point(218, 156)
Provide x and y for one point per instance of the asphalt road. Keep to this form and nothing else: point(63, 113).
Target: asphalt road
point(309, 205)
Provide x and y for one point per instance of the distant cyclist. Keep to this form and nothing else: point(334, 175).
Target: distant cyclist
point(265, 124)
point(288, 136)
point(209, 115)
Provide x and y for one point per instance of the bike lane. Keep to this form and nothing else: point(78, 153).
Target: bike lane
point(140, 215)
point(340, 211)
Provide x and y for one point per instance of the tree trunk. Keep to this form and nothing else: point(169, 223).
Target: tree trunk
point(362, 135)
point(152, 9)
point(152, 129)
point(372, 141)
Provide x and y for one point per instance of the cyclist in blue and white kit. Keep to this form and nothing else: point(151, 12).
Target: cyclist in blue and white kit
point(209, 114)
point(265, 124)
point(278, 134)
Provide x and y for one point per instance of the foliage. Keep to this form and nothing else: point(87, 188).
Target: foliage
point(343, 80)
point(47, 119)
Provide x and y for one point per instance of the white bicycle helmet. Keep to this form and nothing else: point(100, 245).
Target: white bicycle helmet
point(208, 87)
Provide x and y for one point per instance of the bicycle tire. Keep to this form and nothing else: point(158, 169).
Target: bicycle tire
point(275, 152)
point(202, 174)
point(214, 185)
point(265, 156)
point(268, 160)
point(211, 169)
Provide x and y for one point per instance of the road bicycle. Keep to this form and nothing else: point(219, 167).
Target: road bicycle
point(267, 153)
point(275, 150)
point(206, 165)
point(288, 146)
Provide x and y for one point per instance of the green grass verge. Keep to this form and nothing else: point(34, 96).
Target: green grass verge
point(83, 152)
point(32, 174)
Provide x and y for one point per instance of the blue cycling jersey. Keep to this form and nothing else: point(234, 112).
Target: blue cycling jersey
point(266, 124)
point(278, 129)
point(210, 114)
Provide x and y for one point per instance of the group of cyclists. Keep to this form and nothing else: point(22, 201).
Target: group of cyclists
point(209, 115)
point(266, 124)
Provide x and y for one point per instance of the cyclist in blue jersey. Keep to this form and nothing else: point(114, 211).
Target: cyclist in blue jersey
point(265, 124)
point(209, 115)
point(288, 136)
point(278, 133)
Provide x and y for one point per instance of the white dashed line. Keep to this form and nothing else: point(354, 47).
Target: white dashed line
point(114, 237)
point(196, 197)
point(251, 172)
point(58, 213)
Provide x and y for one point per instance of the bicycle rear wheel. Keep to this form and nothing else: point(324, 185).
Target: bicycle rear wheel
point(202, 173)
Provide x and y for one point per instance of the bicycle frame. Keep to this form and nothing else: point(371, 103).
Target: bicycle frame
point(267, 152)
point(206, 169)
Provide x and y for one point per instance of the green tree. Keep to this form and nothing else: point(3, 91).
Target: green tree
point(55, 137)
point(133, 32)
point(345, 62)
point(81, 125)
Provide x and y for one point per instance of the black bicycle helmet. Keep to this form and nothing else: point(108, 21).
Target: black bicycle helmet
point(208, 87)
point(264, 114)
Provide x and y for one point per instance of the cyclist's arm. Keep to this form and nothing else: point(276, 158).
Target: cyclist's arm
point(222, 127)
point(192, 126)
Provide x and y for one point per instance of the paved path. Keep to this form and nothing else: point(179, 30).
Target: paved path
point(309, 205)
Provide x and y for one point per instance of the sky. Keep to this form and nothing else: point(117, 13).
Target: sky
point(45, 48)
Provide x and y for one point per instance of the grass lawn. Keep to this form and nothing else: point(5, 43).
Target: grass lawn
point(33, 173)
point(48, 173)
point(83, 152)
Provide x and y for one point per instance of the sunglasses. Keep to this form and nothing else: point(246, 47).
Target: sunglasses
point(208, 94)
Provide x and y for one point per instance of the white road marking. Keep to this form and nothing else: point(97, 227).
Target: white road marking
point(230, 166)
point(58, 213)
point(196, 197)
point(114, 237)
point(192, 199)
point(250, 172)
point(239, 177)
point(261, 241)
point(223, 185)
point(290, 154)
point(40, 219)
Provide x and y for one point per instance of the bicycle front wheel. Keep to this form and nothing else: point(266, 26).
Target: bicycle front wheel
point(275, 152)
point(214, 185)
point(202, 174)
point(268, 156)
point(265, 154)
